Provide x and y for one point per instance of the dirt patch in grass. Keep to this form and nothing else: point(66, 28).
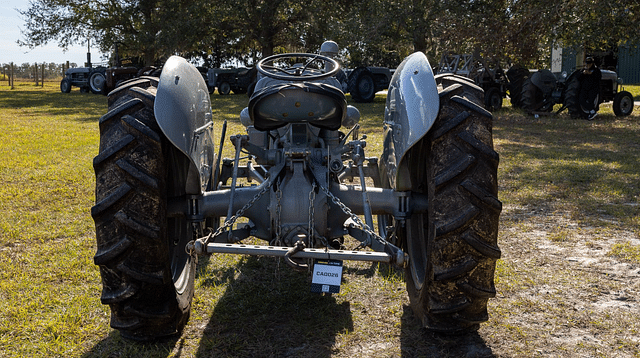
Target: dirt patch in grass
point(568, 297)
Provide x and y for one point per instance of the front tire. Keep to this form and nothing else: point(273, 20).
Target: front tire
point(65, 85)
point(224, 89)
point(147, 277)
point(623, 104)
point(493, 99)
point(453, 247)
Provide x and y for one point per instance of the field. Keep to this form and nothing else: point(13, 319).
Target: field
point(568, 281)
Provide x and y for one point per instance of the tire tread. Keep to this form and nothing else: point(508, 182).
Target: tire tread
point(462, 253)
point(134, 253)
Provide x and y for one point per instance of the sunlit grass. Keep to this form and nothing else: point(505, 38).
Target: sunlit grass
point(571, 165)
point(626, 251)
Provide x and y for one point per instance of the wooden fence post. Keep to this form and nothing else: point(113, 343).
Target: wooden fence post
point(11, 77)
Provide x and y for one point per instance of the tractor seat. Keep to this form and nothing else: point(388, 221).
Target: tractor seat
point(319, 104)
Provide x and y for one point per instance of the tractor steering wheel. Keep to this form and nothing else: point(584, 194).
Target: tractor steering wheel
point(297, 73)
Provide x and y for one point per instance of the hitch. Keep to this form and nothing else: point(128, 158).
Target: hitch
point(298, 247)
point(397, 257)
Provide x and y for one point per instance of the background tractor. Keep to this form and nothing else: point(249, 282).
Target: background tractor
point(89, 79)
point(493, 80)
point(544, 89)
point(299, 183)
point(123, 70)
point(363, 82)
point(239, 80)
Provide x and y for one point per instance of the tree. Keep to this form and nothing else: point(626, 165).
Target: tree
point(149, 29)
point(596, 24)
point(371, 32)
point(262, 26)
point(247, 30)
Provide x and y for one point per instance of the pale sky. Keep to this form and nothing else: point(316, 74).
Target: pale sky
point(10, 25)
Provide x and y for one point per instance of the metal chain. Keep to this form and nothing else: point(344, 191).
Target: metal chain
point(196, 231)
point(312, 209)
point(278, 240)
point(312, 198)
point(354, 217)
point(230, 221)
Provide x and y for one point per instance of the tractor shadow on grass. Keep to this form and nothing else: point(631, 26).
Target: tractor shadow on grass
point(114, 345)
point(416, 341)
point(57, 103)
point(267, 310)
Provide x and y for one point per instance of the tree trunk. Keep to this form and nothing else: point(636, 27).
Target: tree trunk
point(419, 40)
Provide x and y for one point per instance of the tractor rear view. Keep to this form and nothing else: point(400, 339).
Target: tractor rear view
point(428, 205)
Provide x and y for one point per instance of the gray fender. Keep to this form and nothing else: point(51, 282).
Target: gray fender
point(545, 80)
point(183, 111)
point(412, 108)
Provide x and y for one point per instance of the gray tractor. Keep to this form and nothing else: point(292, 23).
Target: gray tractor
point(363, 82)
point(89, 79)
point(543, 89)
point(299, 183)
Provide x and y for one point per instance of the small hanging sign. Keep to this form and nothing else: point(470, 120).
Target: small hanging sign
point(327, 276)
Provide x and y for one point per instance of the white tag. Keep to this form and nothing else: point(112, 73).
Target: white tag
point(327, 276)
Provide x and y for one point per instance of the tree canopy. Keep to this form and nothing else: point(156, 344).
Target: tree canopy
point(372, 32)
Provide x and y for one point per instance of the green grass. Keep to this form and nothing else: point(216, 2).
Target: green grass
point(589, 169)
point(634, 90)
point(48, 288)
point(587, 172)
point(626, 251)
point(46, 142)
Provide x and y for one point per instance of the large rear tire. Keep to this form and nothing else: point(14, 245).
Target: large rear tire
point(366, 88)
point(517, 75)
point(147, 277)
point(533, 99)
point(464, 87)
point(453, 248)
point(572, 98)
point(362, 86)
point(97, 81)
